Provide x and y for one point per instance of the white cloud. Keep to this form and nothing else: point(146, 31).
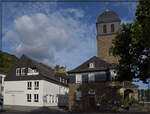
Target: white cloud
point(8, 35)
point(78, 13)
point(55, 38)
point(126, 21)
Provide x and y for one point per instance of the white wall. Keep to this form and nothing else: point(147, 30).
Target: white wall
point(2, 84)
point(15, 93)
point(56, 93)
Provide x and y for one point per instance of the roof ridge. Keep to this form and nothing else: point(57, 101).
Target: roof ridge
point(36, 62)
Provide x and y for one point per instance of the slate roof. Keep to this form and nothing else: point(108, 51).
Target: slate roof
point(99, 64)
point(108, 16)
point(44, 72)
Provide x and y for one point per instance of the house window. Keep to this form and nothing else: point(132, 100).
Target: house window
point(91, 77)
point(36, 85)
point(104, 29)
point(78, 78)
point(60, 79)
point(29, 86)
point(22, 71)
point(17, 71)
point(56, 99)
point(63, 80)
point(28, 97)
point(91, 65)
point(78, 95)
point(36, 97)
point(33, 71)
point(52, 99)
point(112, 28)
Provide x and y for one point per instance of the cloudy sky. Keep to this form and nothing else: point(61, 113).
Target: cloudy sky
point(53, 33)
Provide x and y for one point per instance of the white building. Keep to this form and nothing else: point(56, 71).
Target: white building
point(2, 76)
point(30, 83)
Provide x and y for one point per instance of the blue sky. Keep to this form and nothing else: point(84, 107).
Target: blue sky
point(61, 33)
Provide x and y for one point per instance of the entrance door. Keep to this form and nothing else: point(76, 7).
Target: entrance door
point(92, 102)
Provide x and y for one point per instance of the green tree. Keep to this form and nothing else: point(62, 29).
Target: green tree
point(132, 46)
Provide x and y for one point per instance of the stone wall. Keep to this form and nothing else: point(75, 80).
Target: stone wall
point(103, 45)
point(102, 94)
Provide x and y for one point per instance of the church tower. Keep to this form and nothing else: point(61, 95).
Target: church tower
point(107, 25)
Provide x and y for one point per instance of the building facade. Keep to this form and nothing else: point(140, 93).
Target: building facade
point(2, 76)
point(30, 83)
point(107, 26)
point(92, 84)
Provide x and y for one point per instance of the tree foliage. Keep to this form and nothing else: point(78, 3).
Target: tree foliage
point(132, 46)
point(7, 62)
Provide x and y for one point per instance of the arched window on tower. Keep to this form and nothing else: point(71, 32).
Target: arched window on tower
point(104, 29)
point(112, 28)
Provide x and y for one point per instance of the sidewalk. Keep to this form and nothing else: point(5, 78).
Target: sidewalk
point(32, 109)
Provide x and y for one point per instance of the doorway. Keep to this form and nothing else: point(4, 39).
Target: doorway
point(92, 102)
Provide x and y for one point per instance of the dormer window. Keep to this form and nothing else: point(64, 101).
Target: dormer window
point(33, 71)
point(104, 29)
point(112, 28)
point(22, 71)
point(60, 79)
point(63, 80)
point(17, 71)
point(91, 65)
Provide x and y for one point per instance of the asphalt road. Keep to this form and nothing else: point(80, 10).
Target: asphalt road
point(65, 113)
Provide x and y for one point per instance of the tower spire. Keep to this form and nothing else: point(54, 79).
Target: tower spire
point(106, 5)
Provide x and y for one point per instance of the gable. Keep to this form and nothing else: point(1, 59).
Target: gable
point(43, 72)
point(99, 65)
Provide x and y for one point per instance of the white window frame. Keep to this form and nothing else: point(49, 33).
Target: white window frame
point(17, 71)
point(23, 71)
point(29, 85)
point(36, 97)
point(60, 79)
point(63, 80)
point(29, 97)
point(36, 85)
point(56, 99)
point(50, 98)
point(91, 65)
point(91, 77)
point(32, 72)
point(78, 78)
